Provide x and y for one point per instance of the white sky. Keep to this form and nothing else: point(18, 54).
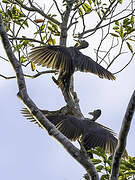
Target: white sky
point(26, 151)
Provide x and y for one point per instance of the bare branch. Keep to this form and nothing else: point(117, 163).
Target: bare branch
point(93, 30)
point(3, 58)
point(125, 65)
point(122, 138)
point(29, 76)
point(5, 77)
point(25, 38)
point(119, 53)
point(40, 118)
point(56, 4)
point(100, 22)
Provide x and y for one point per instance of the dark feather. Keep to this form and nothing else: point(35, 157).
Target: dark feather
point(90, 133)
point(67, 60)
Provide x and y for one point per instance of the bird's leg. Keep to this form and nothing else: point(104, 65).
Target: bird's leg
point(64, 84)
point(60, 83)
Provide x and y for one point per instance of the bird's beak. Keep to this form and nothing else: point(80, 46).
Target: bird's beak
point(91, 113)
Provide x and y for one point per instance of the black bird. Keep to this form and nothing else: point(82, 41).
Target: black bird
point(67, 60)
point(90, 133)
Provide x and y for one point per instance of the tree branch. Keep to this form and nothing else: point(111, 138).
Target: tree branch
point(122, 138)
point(70, 98)
point(100, 22)
point(126, 64)
point(93, 30)
point(35, 9)
point(29, 76)
point(40, 118)
point(25, 38)
point(56, 4)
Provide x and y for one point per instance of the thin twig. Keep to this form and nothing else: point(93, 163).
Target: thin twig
point(93, 30)
point(100, 22)
point(35, 9)
point(25, 38)
point(58, 9)
point(125, 65)
point(30, 76)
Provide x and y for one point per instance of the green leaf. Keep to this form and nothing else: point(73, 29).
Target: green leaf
point(126, 21)
point(32, 66)
point(115, 35)
point(89, 2)
point(50, 28)
point(86, 7)
point(121, 32)
point(9, 13)
point(120, 1)
point(117, 23)
point(116, 27)
point(22, 59)
point(80, 12)
point(99, 168)
point(96, 161)
point(26, 23)
point(53, 42)
point(130, 47)
point(5, 1)
point(132, 20)
point(104, 177)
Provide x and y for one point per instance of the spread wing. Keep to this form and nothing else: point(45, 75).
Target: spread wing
point(92, 134)
point(55, 57)
point(71, 127)
point(52, 117)
point(86, 64)
point(68, 125)
point(98, 135)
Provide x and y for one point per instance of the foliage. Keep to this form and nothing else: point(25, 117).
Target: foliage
point(118, 28)
point(46, 27)
point(103, 164)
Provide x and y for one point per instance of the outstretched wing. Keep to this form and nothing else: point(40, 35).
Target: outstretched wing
point(55, 57)
point(52, 117)
point(96, 135)
point(86, 64)
point(68, 125)
point(92, 134)
point(71, 127)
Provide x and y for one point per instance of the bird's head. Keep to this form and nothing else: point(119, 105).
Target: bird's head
point(81, 44)
point(96, 114)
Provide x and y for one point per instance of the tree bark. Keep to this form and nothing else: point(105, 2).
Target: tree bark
point(40, 118)
point(122, 138)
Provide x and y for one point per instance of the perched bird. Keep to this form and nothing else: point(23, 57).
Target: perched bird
point(67, 60)
point(90, 133)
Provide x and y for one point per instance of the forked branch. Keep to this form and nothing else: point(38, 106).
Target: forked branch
point(40, 118)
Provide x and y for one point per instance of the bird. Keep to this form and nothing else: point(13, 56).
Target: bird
point(89, 133)
point(67, 60)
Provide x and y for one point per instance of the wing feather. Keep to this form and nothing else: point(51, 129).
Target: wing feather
point(56, 57)
point(86, 64)
point(97, 135)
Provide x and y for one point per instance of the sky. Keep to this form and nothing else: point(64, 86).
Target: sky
point(28, 152)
